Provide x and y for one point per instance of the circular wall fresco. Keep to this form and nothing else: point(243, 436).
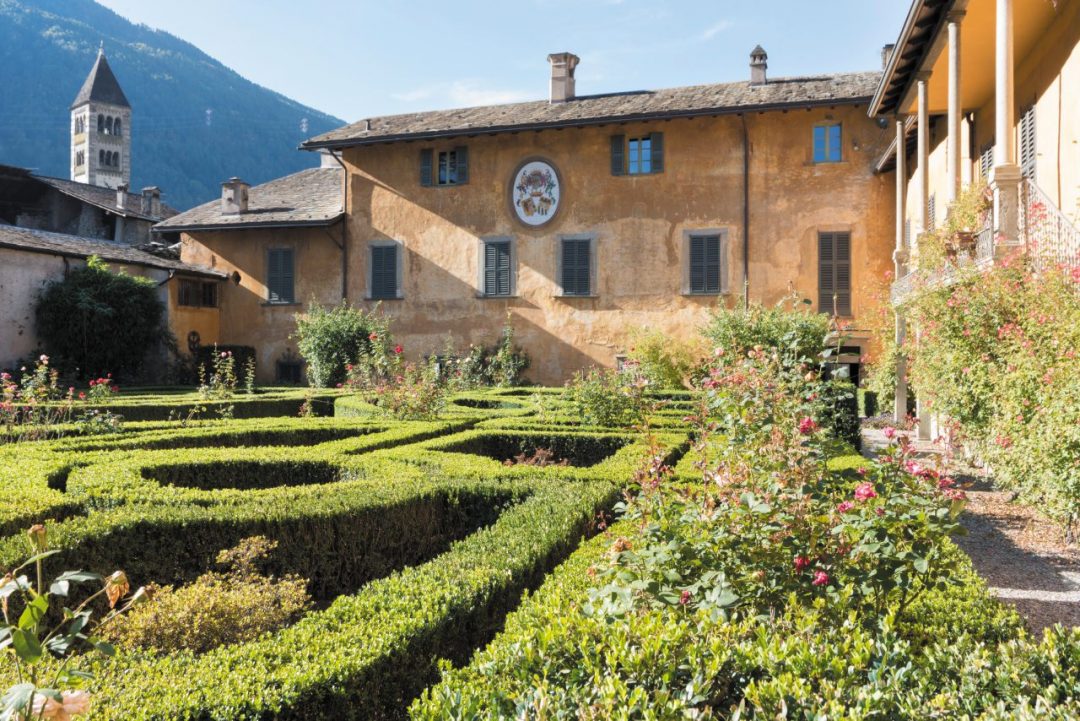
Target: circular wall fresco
point(535, 192)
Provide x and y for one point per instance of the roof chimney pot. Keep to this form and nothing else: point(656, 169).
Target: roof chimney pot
point(234, 196)
point(758, 65)
point(886, 55)
point(562, 76)
point(121, 196)
point(151, 201)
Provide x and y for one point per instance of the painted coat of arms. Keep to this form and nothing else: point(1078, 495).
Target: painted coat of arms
point(535, 192)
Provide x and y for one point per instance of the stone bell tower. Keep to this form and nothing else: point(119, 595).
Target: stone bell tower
point(101, 130)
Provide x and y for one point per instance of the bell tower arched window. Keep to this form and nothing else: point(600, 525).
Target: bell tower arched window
point(101, 123)
point(116, 127)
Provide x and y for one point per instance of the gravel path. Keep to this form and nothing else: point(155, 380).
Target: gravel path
point(1019, 552)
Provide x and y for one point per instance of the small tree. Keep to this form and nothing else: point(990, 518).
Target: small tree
point(99, 322)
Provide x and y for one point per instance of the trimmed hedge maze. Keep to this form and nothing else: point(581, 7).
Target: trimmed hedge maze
point(418, 538)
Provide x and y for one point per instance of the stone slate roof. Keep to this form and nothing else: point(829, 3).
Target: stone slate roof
point(105, 198)
point(101, 86)
point(311, 197)
point(75, 246)
point(715, 99)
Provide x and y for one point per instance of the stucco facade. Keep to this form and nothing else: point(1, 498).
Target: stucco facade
point(638, 224)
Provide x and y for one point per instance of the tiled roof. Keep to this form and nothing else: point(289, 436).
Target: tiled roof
point(74, 246)
point(101, 86)
point(310, 197)
point(719, 98)
point(105, 198)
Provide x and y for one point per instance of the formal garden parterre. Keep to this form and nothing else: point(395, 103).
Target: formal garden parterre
point(620, 548)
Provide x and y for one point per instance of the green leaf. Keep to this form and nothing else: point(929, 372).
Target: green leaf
point(26, 645)
point(34, 612)
point(17, 698)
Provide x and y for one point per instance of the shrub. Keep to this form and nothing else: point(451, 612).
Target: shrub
point(500, 366)
point(96, 321)
point(330, 339)
point(606, 397)
point(219, 608)
point(797, 334)
point(665, 361)
point(207, 359)
point(840, 411)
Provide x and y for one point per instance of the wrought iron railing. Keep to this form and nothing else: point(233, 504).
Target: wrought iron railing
point(1050, 237)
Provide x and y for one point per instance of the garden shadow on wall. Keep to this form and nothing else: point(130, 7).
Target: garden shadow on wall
point(577, 450)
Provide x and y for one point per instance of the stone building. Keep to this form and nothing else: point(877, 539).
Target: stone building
point(984, 91)
point(580, 216)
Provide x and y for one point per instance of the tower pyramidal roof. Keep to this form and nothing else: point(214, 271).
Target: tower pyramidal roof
point(101, 85)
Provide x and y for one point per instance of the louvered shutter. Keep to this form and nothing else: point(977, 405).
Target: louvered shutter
point(497, 268)
point(825, 272)
point(384, 271)
point(576, 276)
point(461, 155)
point(657, 145)
point(280, 275)
point(834, 273)
point(1027, 143)
point(618, 154)
point(697, 264)
point(842, 282)
point(426, 170)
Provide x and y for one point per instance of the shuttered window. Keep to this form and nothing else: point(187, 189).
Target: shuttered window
point(1028, 148)
point(827, 143)
point(986, 160)
point(279, 276)
point(834, 273)
point(706, 264)
point(447, 167)
point(497, 268)
point(576, 272)
point(637, 156)
point(427, 172)
point(384, 271)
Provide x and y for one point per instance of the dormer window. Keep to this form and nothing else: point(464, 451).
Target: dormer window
point(447, 167)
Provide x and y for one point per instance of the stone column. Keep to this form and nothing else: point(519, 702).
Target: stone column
point(922, 223)
point(954, 142)
point(1005, 177)
point(900, 263)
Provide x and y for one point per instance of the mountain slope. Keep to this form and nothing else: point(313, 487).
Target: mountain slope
point(195, 122)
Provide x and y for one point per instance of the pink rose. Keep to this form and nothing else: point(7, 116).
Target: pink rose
point(889, 432)
point(807, 426)
point(72, 703)
point(845, 506)
point(801, 563)
point(865, 491)
point(398, 349)
point(684, 598)
point(820, 578)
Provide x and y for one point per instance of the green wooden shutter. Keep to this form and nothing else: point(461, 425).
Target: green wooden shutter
point(384, 277)
point(426, 171)
point(461, 153)
point(618, 154)
point(842, 282)
point(657, 145)
point(279, 281)
point(697, 264)
point(287, 294)
point(834, 273)
point(576, 271)
point(497, 270)
point(825, 272)
point(1027, 143)
point(712, 263)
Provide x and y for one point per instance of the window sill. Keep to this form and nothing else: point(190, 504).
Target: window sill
point(709, 294)
point(575, 296)
point(386, 297)
point(484, 296)
point(290, 304)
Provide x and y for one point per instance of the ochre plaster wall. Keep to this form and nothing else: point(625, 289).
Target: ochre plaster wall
point(639, 224)
point(244, 316)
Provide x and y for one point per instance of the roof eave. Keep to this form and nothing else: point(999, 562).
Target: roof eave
point(582, 122)
point(204, 227)
point(894, 59)
point(190, 270)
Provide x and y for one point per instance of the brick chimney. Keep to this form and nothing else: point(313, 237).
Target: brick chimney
point(121, 196)
point(758, 66)
point(234, 196)
point(151, 201)
point(562, 76)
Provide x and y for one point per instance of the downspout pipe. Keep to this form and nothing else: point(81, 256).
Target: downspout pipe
point(746, 213)
point(344, 225)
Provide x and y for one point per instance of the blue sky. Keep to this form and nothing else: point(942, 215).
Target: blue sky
point(360, 58)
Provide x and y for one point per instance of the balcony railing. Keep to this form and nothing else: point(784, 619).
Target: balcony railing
point(1051, 239)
